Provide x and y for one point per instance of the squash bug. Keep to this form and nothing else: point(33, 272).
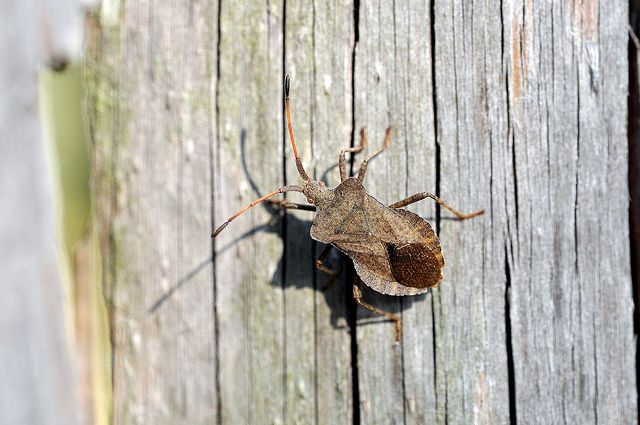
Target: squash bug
point(394, 251)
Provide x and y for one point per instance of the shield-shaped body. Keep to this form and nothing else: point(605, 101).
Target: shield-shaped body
point(394, 251)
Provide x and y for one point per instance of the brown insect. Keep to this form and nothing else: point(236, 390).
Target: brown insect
point(394, 251)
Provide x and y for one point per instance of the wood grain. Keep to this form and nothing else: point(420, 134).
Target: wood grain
point(518, 109)
point(151, 79)
point(248, 164)
point(393, 87)
point(318, 54)
point(570, 251)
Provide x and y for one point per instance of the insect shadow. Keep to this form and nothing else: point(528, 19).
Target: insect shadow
point(303, 276)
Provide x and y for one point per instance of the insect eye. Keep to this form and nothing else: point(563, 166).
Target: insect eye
point(322, 184)
point(309, 200)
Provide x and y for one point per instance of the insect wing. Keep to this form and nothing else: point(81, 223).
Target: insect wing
point(371, 261)
point(396, 252)
point(385, 283)
point(417, 265)
point(392, 251)
point(426, 231)
point(413, 254)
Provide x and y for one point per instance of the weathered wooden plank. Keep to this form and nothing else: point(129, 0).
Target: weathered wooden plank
point(319, 46)
point(248, 165)
point(152, 92)
point(466, 373)
point(379, 95)
point(38, 375)
point(415, 60)
point(616, 386)
point(571, 300)
point(472, 376)
point(301, 391)
point(331, 131)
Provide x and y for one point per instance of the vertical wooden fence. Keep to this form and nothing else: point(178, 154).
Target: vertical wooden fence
point(519, 108)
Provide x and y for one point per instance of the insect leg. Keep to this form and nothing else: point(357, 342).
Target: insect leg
point(357, 295)
point(292, 206)
point(363, 166)
point(342, 160)
point(323, 256)
point(422, 195)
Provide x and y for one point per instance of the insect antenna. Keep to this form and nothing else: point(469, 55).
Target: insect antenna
point(303, 173)
point(292, 188)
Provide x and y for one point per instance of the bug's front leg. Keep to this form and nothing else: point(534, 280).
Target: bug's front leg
point(342, 161)
point(357, 295)
point(363, 166)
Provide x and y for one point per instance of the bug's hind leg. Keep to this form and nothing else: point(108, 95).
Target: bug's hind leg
point(363, 166)
point(357, 295)
point(319, 264)
point(342, 164)
point(422, 195)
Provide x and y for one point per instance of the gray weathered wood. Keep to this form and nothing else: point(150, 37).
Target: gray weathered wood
point(151, 81)
point(515, 108)
point(393, 87)
point(472, 370)
point(38, 377)
point(248, 165)
point(571, 300)
point(319, 48)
